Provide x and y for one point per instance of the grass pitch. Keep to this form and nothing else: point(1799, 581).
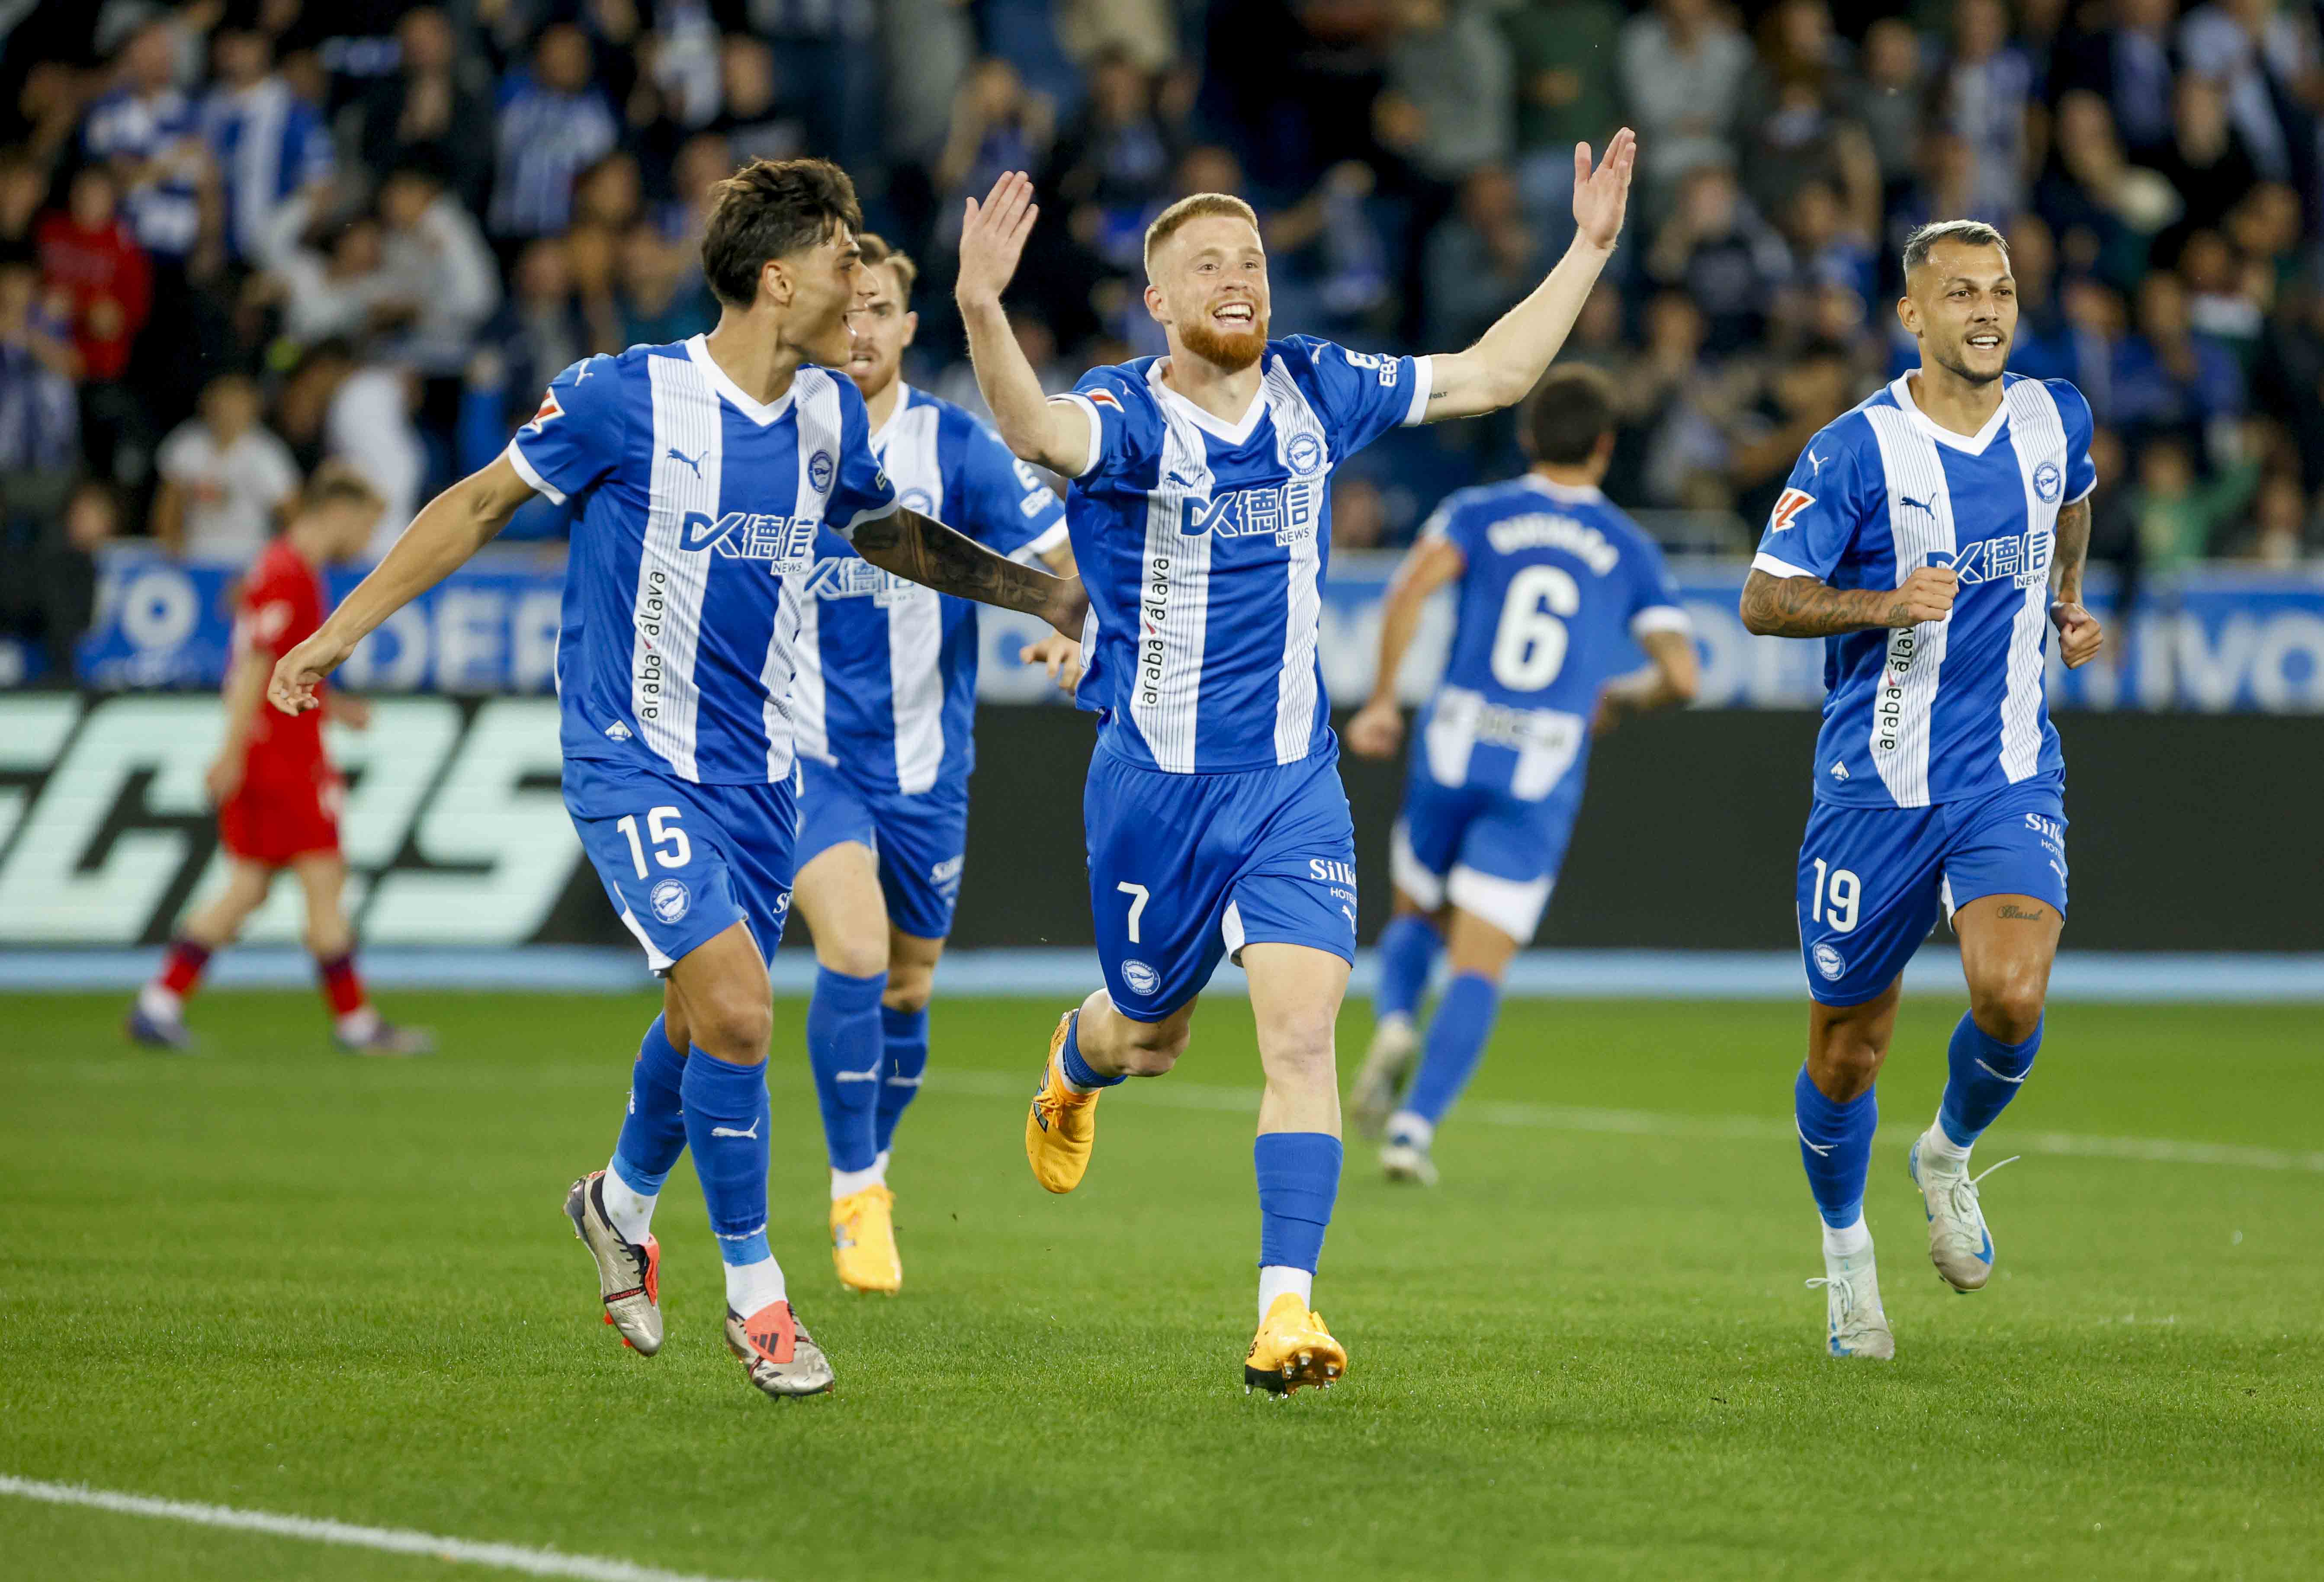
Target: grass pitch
point(274, 1278)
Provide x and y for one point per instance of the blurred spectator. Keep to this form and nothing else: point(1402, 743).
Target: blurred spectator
point(1682, 73)
point(271, 146)
point(2221, 305)
point(553, 123)
point(151, 134)
point(105, 281)
point(2124, 58)
point(610, 193)
point(1118, 154)
point(662, 297)
point(23, 190)
point(925, 48)
point(1144, 33)
point(1827, 247)
point(2206, 160)
point(1359, 514)
point(435, 259)
point(1812, 389)
point(2043, 347)
point(2263, 56)
point(997, 125)
point(333, 406)
point(1481, 263)
point(1716, 248)
point(1449, 72)
point(226, 481)
point(2177, 514)
point(1988, 101)
point(48, 579)
point(2104, 211)
point(438, 102)
point(752, 122)
point(340, 290)
point(1889, 99)
point(2166, 377)
point(1328, 262)
point(1559, 52)
point(40, 419)
point(536, 334)
point(2282, 522)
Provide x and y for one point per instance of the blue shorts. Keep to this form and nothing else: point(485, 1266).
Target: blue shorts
point(1492, 855)
point(921, 840)
point(1871, 877)
point(683, 863)
point(1184, 868)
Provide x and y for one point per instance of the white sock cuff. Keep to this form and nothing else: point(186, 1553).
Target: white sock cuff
point(1935, 1143)
point(752, 1287)
point(1275, 1279)
point(1405, 1126)
point(846, 1183)
point(1847, 1241)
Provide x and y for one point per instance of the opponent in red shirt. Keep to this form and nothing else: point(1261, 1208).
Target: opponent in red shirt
point(278, 797)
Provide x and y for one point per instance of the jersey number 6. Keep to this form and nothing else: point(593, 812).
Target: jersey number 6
point(1529, 645)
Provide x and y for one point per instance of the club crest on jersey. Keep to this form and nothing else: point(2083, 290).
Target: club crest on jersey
point(2049, 482)
point(918, 499)
point(1286, 512)
point(1304, 453)
point(1788, 506)
point(550, 410)
point(741, 535)
point(819, 469)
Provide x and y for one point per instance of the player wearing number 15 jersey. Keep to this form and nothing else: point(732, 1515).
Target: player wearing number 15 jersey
point(1215, 822)
point(1555, 591)
point(1922, 536)
point(701, 474)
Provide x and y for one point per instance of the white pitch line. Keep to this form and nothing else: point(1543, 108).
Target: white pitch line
point(459, 1551)
point(1647, 1123)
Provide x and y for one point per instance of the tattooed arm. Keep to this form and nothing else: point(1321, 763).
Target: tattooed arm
point(1801, 606)
point(928, 553)
point(2080, 635)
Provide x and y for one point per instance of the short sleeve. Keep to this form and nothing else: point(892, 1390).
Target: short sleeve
point(1011, 509)
point(1654, 596)
point(1363, 394)
point(2074, 410)
point(1817, 517)
point(1453, 525)
point(176, 460)
point(267, 624)
point(574, 439)
point(1106, 399)
point(282, 471)
point(860, 492)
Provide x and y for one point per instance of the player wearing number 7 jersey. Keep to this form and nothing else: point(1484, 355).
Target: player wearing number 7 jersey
point(1922, 536)
point(1555, 590)
point(700, 474)
point(1213, 814)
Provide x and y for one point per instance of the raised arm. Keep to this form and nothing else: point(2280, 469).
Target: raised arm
point(1802, 606)
point(1510, 359)
point(928, 553)
point(447, 533)
point(1377, 730)
point(992, 240)
point(2080, 633)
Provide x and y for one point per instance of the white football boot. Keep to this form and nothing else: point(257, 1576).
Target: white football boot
point(1386, 1063)
point(1404, 1157)
point(1960, 1245)
point(1854, 1325)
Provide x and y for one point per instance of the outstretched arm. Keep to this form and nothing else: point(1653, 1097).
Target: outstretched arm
point(1378, 728)
point(928, 553)
point(992, 240)
point(1510, 359)
point(447, 533)
point(2080, 635)
point(1802, 606)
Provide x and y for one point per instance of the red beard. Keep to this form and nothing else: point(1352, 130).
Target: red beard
point(1232, 350)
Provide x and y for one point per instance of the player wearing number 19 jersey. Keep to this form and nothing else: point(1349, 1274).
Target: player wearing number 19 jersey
point(1920, 537)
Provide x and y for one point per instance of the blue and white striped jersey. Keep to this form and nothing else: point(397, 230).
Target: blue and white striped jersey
point(698, 511)
point(1951, 709)
point(1203, 545)
point(164, 214)
point(270, 143)
point(886, 689)
point(1557, 583)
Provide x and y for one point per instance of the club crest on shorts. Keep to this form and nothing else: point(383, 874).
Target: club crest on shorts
point(1141, 978)
point(1829, 962)
point(670, 899)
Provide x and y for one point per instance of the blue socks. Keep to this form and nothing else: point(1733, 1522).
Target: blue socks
point(654, 1132)
point(1456, 1043)
point(1835, 1147)
point(1079, 1074)
point(844, 1045)
point(726, 1126)
point(1407, 954)
point(906, 1035)
point(1298, 1181)
point(1985, 1077)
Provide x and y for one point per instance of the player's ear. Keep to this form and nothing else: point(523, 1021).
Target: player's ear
point(1908, 313)
point(775, 282)
point(911, 326)
point(1153, 305)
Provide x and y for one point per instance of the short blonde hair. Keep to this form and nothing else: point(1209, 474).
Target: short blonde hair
point(876, 252)
point(1195, 206)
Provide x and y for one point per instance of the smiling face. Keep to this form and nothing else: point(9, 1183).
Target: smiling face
point(884, 326)
point(1961, 305)
point(1209, 289)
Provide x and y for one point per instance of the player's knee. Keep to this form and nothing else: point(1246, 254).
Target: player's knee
point(857, 957)
point(2008, 1008)
point(1845, 1065)
point(1298, 1050)
point(733, 1027)
point(909, 989)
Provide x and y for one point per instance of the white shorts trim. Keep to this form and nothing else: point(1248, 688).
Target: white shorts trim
point(655, 960)
point(1231, 932)
point(1405, 872)
point(1512, 905)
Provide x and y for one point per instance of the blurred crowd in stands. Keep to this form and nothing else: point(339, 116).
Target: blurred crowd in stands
point(238, 236)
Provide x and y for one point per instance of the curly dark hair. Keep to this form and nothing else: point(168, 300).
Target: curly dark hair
point(767, 209)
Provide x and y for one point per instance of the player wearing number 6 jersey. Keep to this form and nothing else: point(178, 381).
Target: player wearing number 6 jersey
point(1922, 536)
point(1213, 814)
point(701, 474)
point(1555, 590)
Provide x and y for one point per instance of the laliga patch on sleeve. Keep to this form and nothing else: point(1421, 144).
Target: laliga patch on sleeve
point(1788, 506)
point(549, 409)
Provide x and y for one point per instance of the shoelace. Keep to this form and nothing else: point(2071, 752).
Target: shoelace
point(1846, 1292)
point(1963, 1193)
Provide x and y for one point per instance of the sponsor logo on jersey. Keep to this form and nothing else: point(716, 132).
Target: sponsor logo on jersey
point(1141, 978)
point(850, 576)
point(2049, 482)
point(670, 899)
point(1829, 962)
point(1839, 770)
point(947, 872)
point(1383, 368)
point(549, 410)
point(1324, 871)
point(1544, 530)
point(788, 541)
point(1286, 512)
point(693, 463)
point(617, 731)
point(1788, 506)
point(2020, 558)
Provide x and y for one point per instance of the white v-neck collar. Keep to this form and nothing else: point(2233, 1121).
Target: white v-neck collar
point(1216, 427)
point(760, 412)
point(1972, 443)
point(903, 404)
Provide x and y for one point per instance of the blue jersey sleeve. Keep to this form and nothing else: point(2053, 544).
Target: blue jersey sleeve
point(1456, 525)
point(1006, 505)
point(2081, 473)
point(575, 438)
point(1823, 506)
point(861, 492)
point(1123, 425)
point(1654, 596)
point(1361, 394)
